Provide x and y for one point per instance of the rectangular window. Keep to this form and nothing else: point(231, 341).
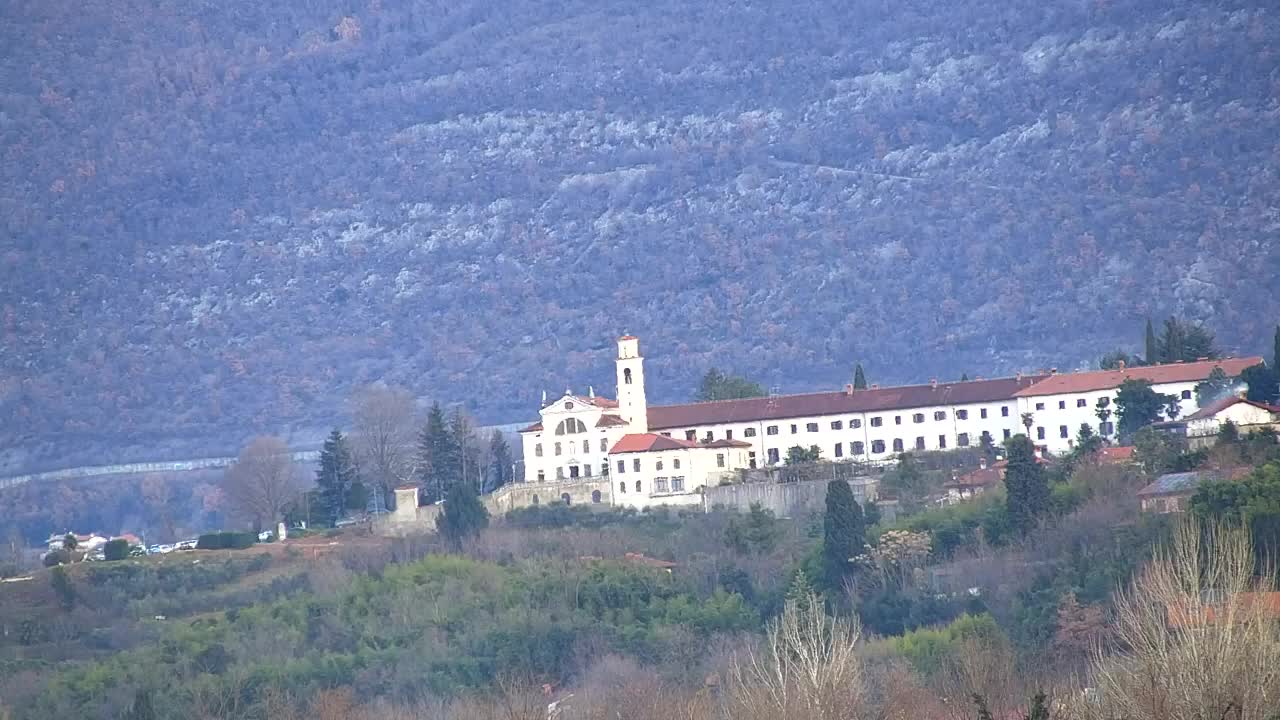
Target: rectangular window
point(877, 421)
point(1186, 394)
point(586, 471)
point(877, 446)
point(728, 434)
point(665, 434)
point(811, 427)
point(660, 484)
point(604, 468)
point(917, 418)
point(537, 450)
point(942, 442)
point(962, 440)
point(794, 428)
point(939, 415)
point(773, 456)
point(749, 432)
point(690, 434)
point(982, 413)
point(542, 476)
point(920, 443)
point(719, 460)
point(1104, 401)
point(635, 464)
point(1081, 402)
point(557, 449)
point(622, 466)
point(1063, 432)
point(1007, 434)
point(559, 473)
point(962, 414)
point(710, 436)
point(897, 419)
point(604, 445)
point(1107, 428)
point(855, 423)
point(839, 452)
point(1040, 433)
point(1004, 411)
point(837, 424)
point(586, 447)
point(658, 465)
point(1062, 404)
point(771, 430)
point(676, 463)
point(1039, 406)
point(858, 448)
point(897, 444)
point(677, 484)
point(751, 459)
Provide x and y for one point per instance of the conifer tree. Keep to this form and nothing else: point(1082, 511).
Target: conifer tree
point(843, 533)
point(800, 591)
point(334, 477)
point(467, 458)
point(464, 515)
point(859, 378)
point(1152, 349)
point(437, 455)
point(1275, 351)
point(499, 461)
point(1026, 485)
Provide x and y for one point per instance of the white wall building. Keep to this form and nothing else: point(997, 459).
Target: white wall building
point(1061, 402)
point(578, 436)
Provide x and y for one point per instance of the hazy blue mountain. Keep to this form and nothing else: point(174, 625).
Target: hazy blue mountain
point(218, 217)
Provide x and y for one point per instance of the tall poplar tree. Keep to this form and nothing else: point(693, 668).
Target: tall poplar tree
point(1027, 487)
point(843, 533)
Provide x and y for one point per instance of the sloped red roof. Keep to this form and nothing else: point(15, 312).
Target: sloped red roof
point(610, 421)
point(726, 443)
point(1156, 374)
point(836, 402)
point(598, 401)
point(981, 477)
point(1214, 408)
point(649, 442)
point(1121, 454)
point(536, 427)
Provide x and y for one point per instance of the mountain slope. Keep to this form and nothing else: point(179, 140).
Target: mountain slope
point(218, 218)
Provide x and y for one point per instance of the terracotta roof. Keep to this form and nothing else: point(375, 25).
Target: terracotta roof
point(536, 427)
point(649, 442)
point(1121, 454)
point(726, 443)
point(1214, 408)
point(981, 477)
point(598, 401)
point(610, 421)
point(836, 402)
point(1157, 374)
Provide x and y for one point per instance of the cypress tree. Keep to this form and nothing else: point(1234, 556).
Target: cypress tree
point(335, 476)
point(499, 461)
point(843, 533)
point(1153, 351)
point(1026, 485)
point(464, 515)
point(859, 378)
point(1275, 352)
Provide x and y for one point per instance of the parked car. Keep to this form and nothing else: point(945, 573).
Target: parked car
point(186, 545)
point(266, 536)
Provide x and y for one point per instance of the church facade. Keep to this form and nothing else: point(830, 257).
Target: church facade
point(665, 455)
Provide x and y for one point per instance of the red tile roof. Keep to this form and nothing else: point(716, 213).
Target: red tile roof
point(1157, 374)
point(598, 401)
point(726, 443)
point(834, 403)
point(1121, 454)
point(536, 427)
point(649, 442)
point(610, 421)
point(982, 477)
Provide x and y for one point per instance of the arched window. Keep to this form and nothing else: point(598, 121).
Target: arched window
point(535, 499)
point(570, 426)
point(564, 497)
point(622, 486)
point(595, 496)
point(626, 376)
point(637, 486)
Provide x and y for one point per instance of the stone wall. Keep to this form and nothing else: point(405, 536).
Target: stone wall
point(584, 491)
point(789, 500)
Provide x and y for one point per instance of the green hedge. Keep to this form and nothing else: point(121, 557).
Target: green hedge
point(117, 549)
point(226, 541)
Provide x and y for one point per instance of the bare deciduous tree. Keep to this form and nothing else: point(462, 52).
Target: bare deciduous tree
point(807, 669)
point(263, 481)
point(1197, 637)
point(157, 493)
point(383, 435)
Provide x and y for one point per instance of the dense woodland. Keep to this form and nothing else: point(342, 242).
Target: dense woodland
point(218, 218)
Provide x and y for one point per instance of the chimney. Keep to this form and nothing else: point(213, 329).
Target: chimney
point(875, 386)
point(982, 462)
point(1053, 371)
point(848, 389)
point(1120, 365)
point(1018, 377)
point(933, 383)
point(591, 391)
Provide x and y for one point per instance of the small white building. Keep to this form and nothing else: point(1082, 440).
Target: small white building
point(654, 469)
point(1060, 403)
point(1202, 426)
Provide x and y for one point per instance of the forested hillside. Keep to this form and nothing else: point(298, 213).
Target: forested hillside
point(218, 218)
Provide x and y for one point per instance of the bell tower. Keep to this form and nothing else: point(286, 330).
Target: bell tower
point(631, 398)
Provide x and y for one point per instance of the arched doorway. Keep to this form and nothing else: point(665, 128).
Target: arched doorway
point(565, 498)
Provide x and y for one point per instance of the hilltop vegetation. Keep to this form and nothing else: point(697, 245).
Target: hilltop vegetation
point(221, 217)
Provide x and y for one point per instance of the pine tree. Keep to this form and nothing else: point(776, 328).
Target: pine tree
point(467, 468)
point(801, 591)
point(464, 515)
point(438, 458)
point(964, 377)
point(499, 461)
point(334, 477)
point(859, 378)
point(1027, 497)
point(843, 533)
point(1152, 349)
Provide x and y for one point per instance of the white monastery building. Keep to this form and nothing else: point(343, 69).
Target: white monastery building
point(665, 455)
